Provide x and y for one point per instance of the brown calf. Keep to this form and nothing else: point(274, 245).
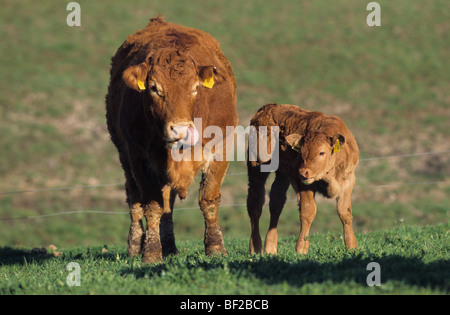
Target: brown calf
point(163, 78)
point(317, 153)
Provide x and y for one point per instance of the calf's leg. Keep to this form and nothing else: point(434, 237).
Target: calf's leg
point(255, 203)
point(344, 209)
point(276, 204)
point(307, 208)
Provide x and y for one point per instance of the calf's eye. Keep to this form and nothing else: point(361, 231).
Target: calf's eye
point(322, 153)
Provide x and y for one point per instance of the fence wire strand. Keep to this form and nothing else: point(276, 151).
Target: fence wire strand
point(391, 185)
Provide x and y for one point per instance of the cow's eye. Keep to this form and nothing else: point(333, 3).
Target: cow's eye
point(156, 90)
point(322, 153)
point(194, 89)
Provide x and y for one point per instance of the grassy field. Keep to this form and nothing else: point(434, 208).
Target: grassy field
point(390, 84)
point(412, 261)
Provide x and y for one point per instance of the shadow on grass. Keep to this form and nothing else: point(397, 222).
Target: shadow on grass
point(18, 256)
point(14, 256)
point(411, 271)
point(271, 270)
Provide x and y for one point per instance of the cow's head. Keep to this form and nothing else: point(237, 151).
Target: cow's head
point(317, 154)
point(172, 80)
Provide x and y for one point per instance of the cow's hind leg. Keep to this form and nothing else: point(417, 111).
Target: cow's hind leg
point(136, 232)
point(209, 200)
point(255, 202)
point(153, 207)
point(276, 204)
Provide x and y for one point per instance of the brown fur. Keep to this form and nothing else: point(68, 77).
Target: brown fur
point(308, 162)
point(171, 61)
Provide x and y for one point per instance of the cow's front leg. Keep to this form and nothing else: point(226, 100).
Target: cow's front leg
point(166, 224)
point(152, 250)
point(209, 200)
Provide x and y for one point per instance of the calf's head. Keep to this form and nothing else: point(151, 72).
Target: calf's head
point(172, 79)
point(317, 154)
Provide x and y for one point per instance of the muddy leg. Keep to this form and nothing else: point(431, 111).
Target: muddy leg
point(255, 202)
point(136, 233)
point(152, 250)
point(209, 200)
point(276, 204)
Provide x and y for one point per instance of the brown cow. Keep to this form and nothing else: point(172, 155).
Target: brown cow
point(163, 78)
point(317, 153)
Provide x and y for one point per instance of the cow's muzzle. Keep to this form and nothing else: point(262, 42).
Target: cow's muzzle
point(181, 134)
point(306, 176)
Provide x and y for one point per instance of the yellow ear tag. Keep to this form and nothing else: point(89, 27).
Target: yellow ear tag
point(337, 146)
point(296, 148)
point(209, 83)
point(140, 85)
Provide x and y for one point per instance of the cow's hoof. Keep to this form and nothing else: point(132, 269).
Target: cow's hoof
point(152, 251)
point(215, 250)
point(152, 258)
point(133, 250)
point(167, 251)
point(135, 240)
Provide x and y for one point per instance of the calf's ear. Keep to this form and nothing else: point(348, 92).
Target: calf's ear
point(135, 76)
point(294, 141)
point(337, 141)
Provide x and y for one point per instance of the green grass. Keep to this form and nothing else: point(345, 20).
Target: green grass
point(413, 260)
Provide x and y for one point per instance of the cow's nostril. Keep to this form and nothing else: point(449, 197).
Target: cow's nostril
point(183, 133)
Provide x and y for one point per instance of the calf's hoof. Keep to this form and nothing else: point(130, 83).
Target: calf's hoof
point(302, 246)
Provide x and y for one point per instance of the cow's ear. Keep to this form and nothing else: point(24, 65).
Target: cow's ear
point(294, 141)
point(337, 141)
point(206, 75)
point(135, 76)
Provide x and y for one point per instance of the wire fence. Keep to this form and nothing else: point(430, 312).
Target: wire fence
point(389, 185)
